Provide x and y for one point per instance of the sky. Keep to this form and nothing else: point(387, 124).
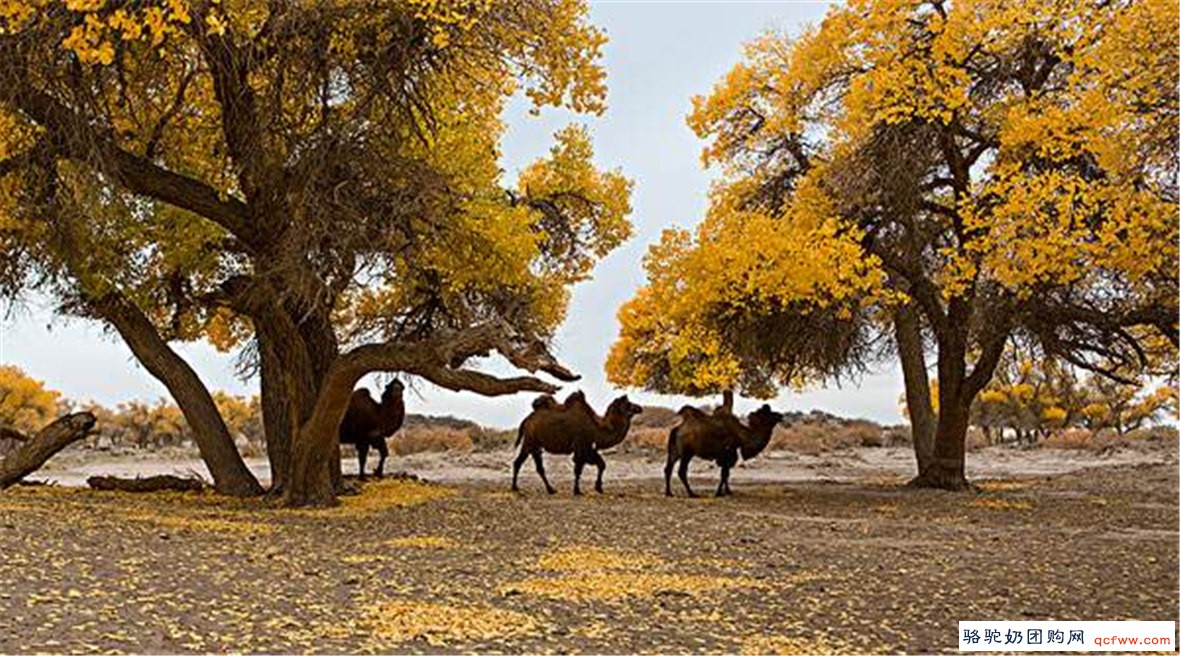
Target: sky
point(660, 54)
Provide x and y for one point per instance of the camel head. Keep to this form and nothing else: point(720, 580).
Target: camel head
point(393, 391)
point(762, 422)
point(623, 406)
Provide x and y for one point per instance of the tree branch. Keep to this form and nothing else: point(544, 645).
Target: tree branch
point(440, 360)
point(74, 137)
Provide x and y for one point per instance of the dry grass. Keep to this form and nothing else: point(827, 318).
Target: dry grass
point(1152, 438)
point(813, 438)
point(645, 440)
point(431, 439)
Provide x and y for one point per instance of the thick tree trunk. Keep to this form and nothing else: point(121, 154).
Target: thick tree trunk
point(727, 400)
point(908, 332)
point(230, 474)
point(947, 469)
point(36, 450)
point(311, 482)
point(278, 421)
point(291, 375)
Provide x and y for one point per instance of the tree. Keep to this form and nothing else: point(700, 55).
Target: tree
point(1124, 408)
point(928, 176)
point(316, 182)
point(25, 404)
point(243, 416)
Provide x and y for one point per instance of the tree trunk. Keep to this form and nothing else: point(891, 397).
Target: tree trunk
point(311, 481)
point(36, 450)
point(917, 384)
point(230, 474)
point(278, 422)
point(727, 400)
point(946, 469)
point(291, 375)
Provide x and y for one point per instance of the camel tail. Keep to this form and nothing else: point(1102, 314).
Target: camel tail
point(519, 436)
point(673, 438)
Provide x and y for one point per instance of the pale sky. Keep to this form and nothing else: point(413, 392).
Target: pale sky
point(660, 54)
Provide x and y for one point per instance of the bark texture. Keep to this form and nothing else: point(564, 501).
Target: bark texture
point(41, 447)
point(230, 474)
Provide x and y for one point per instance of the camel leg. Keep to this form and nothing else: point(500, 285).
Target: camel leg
point(516, 465)
point(383, 452)
point(597, 461)
point(723, 486)
point(579, 464)
point(673, 456)
point(362, 452)
point(668, 473)
point(541, 471)
point(684, 474)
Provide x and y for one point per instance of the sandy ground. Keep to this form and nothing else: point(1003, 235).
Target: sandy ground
point(72, 468)
point(811, 555)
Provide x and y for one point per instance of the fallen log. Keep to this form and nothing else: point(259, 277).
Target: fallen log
point(145, 484)
point(35, 450)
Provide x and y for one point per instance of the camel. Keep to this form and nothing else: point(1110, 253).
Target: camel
point(367, 423)
point(718, 437)
point(574, 428)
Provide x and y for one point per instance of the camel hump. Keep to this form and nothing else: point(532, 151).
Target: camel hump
point(361, 398)
point(544, 402)
point(576, 397)
point(689, 412)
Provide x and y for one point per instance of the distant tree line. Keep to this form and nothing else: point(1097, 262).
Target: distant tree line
point(26, 405)
point(1030, 399)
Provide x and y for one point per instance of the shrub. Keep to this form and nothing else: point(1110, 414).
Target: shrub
point(1073, 438)
point(899, 435)
point(976, 439)
point(645, 440)
point(491, 439)
point(430, 439)
point(654, 416)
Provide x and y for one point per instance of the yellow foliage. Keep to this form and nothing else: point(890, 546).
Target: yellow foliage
point(1043, 183)
point(475, 237)
point(445, 624)
point(594, 573)
point(423, 542)
point(758, 645)
point(384, 494)
point(25, 405)
point(574, 559)
point(613, 585)
point(221, 523)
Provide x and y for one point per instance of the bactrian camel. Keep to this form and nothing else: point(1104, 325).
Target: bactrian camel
point(367, 423)
point(719, 437)
point(572, 428)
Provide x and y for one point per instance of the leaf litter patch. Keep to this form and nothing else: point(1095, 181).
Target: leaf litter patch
point(596, 574)
point(441, 624)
